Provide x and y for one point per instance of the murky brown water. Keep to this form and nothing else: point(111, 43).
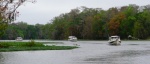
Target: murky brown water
point(90, 52)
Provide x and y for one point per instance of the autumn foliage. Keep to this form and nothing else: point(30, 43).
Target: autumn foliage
point(89, 23)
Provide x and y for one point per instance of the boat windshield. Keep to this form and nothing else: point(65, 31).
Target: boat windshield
point(114, 37)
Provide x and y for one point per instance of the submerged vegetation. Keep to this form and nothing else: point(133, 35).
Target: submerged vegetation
point(25, 46)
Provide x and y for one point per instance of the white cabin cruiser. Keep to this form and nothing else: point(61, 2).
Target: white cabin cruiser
point(114, 40)
point(19, 39)
point(72, 38)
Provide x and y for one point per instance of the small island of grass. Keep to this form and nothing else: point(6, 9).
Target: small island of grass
point(26, 46)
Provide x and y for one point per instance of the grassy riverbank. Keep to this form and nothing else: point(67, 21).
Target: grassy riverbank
point(25, 46)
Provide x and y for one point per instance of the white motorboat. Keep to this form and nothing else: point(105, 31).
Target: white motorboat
point(72, 38)
point(114, 40)
point(19, 39)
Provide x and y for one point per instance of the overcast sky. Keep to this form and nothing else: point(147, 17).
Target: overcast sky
point(44, 10)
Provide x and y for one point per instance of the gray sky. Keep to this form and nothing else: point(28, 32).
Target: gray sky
point(44, 10)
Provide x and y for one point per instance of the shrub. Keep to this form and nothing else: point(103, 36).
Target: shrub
point(32, 43)
point(4, 45)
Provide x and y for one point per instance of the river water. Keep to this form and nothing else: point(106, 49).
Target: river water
point(90, 52)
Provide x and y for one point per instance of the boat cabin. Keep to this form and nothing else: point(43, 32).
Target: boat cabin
point(19, 39)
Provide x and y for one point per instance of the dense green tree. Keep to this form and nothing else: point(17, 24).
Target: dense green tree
point(139, 30)
point(86, 23)
point(47, 30)
point(99, 25)
point(144, 21)
point(39, 31)
point(127, 24)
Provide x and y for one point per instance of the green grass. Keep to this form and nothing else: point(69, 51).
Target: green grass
point(28, 46)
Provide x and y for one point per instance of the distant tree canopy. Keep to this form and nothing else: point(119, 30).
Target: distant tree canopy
point(8, 12)
point(89, 23)
point(96, 23)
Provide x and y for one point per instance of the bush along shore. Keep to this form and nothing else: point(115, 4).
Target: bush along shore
point(28, 46)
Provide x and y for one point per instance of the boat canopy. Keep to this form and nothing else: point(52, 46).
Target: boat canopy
point(114, 36)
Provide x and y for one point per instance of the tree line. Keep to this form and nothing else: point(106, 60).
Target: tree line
point(88, 23)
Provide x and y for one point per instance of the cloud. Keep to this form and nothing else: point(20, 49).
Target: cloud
point(44, 10)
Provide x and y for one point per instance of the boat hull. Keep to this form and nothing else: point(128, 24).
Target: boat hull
point(73, 40)
point(115, 42)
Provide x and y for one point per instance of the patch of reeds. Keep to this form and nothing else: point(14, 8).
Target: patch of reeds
point(31, 45)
